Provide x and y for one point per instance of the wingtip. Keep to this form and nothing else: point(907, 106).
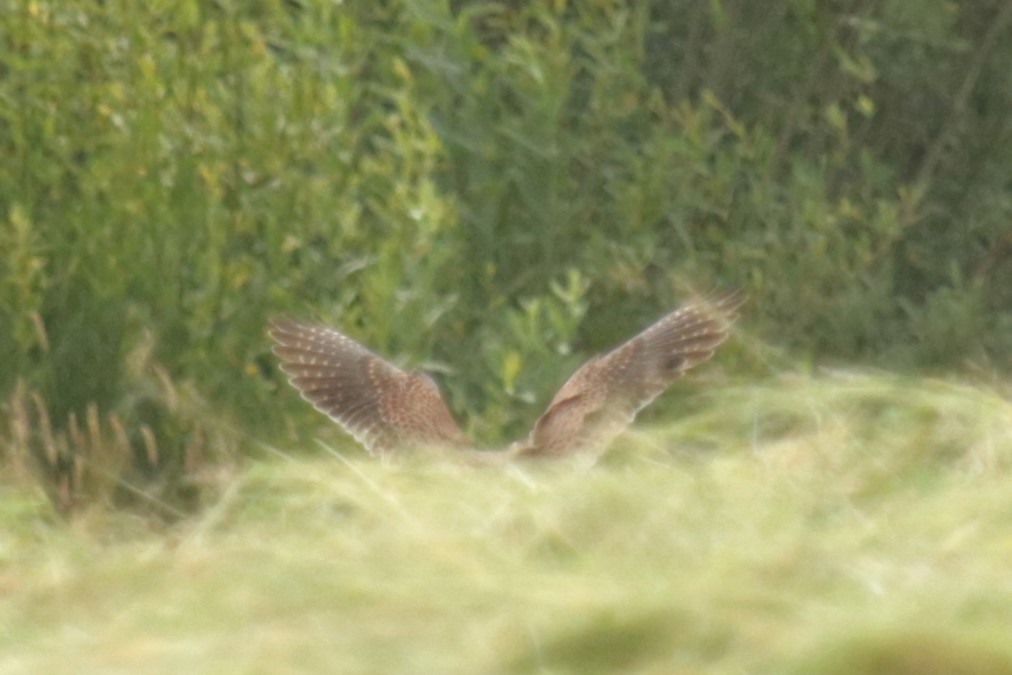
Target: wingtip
point(726, 303)
point(277, 323)
point(282, 324)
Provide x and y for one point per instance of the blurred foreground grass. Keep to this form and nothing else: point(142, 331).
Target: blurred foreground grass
point(838, 524)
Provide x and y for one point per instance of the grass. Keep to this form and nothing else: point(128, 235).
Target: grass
point(833, 524)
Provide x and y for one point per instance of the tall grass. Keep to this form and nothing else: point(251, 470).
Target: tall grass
point(841, 523)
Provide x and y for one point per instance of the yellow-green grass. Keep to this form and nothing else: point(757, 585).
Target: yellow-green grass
point(842, 523)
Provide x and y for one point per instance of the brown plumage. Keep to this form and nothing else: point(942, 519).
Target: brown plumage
point(379, 404)
point(602, 397)
point(386, 408)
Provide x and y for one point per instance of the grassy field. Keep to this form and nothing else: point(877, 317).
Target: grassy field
point(491, 192)
point(839, 523)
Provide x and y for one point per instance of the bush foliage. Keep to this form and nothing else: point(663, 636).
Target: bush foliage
point(500, 187)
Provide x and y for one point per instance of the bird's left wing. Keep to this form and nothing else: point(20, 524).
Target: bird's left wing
point(384, 407)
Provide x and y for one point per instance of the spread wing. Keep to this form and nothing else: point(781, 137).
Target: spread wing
point(601, 398)
point(383, 407)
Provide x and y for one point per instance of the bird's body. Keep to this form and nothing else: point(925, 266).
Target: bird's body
point(386, 408)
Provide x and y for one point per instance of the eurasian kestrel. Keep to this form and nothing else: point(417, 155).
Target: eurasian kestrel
point(386, 408)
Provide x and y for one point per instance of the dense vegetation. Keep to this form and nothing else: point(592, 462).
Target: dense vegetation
point(500, 187)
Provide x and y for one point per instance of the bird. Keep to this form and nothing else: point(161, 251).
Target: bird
point(388, 409)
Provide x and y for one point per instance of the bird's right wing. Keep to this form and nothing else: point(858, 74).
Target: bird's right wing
point(383, 407)
point(603, 396)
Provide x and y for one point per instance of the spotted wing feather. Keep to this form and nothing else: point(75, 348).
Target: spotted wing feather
point(382, 406)
point(603, 396)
